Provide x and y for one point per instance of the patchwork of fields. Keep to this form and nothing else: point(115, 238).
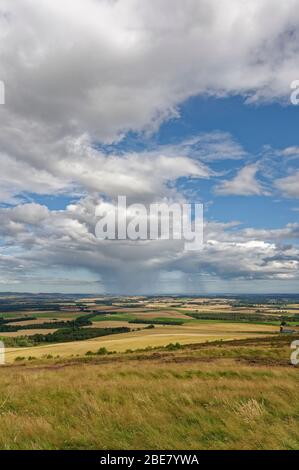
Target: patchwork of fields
point(38, 330)
point(159, 336)
point(104, 373)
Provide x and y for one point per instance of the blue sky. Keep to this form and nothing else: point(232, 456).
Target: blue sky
point(261, 129)
point(254, 127)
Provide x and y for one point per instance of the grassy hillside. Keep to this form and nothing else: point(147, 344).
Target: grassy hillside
point(237, 395)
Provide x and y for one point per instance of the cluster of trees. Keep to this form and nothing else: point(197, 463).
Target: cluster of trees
point(76, 334)
point(71, 330)
point(99, 352)
point(8, 307)
point(17, 342)
point(246, 317)
point(84, 320)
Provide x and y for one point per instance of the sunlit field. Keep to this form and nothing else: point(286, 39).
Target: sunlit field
point(159, 336)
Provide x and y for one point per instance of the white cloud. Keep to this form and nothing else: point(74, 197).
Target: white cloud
point(289, 185)
point(118, 65)
point(243, 184)
point(114, 66)
point(209, 147)
point(75, 166)
point(38, 240)
point(80, 72)
point(291, 151)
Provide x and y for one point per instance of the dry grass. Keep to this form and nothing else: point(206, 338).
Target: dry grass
point(38, 321)
point(15, 334)
point(149, 405)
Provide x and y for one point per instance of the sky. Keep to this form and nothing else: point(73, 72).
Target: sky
point(159, 101)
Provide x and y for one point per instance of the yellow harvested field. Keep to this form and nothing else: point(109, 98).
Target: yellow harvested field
point(38, 321)
point(205, 308)
point(112, 308)
point(159, 336)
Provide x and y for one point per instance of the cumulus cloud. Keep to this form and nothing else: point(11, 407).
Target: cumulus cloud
point(82, 73)
point(74, 166)
point(38, 240)
point(112, 66)
point(116, 66)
